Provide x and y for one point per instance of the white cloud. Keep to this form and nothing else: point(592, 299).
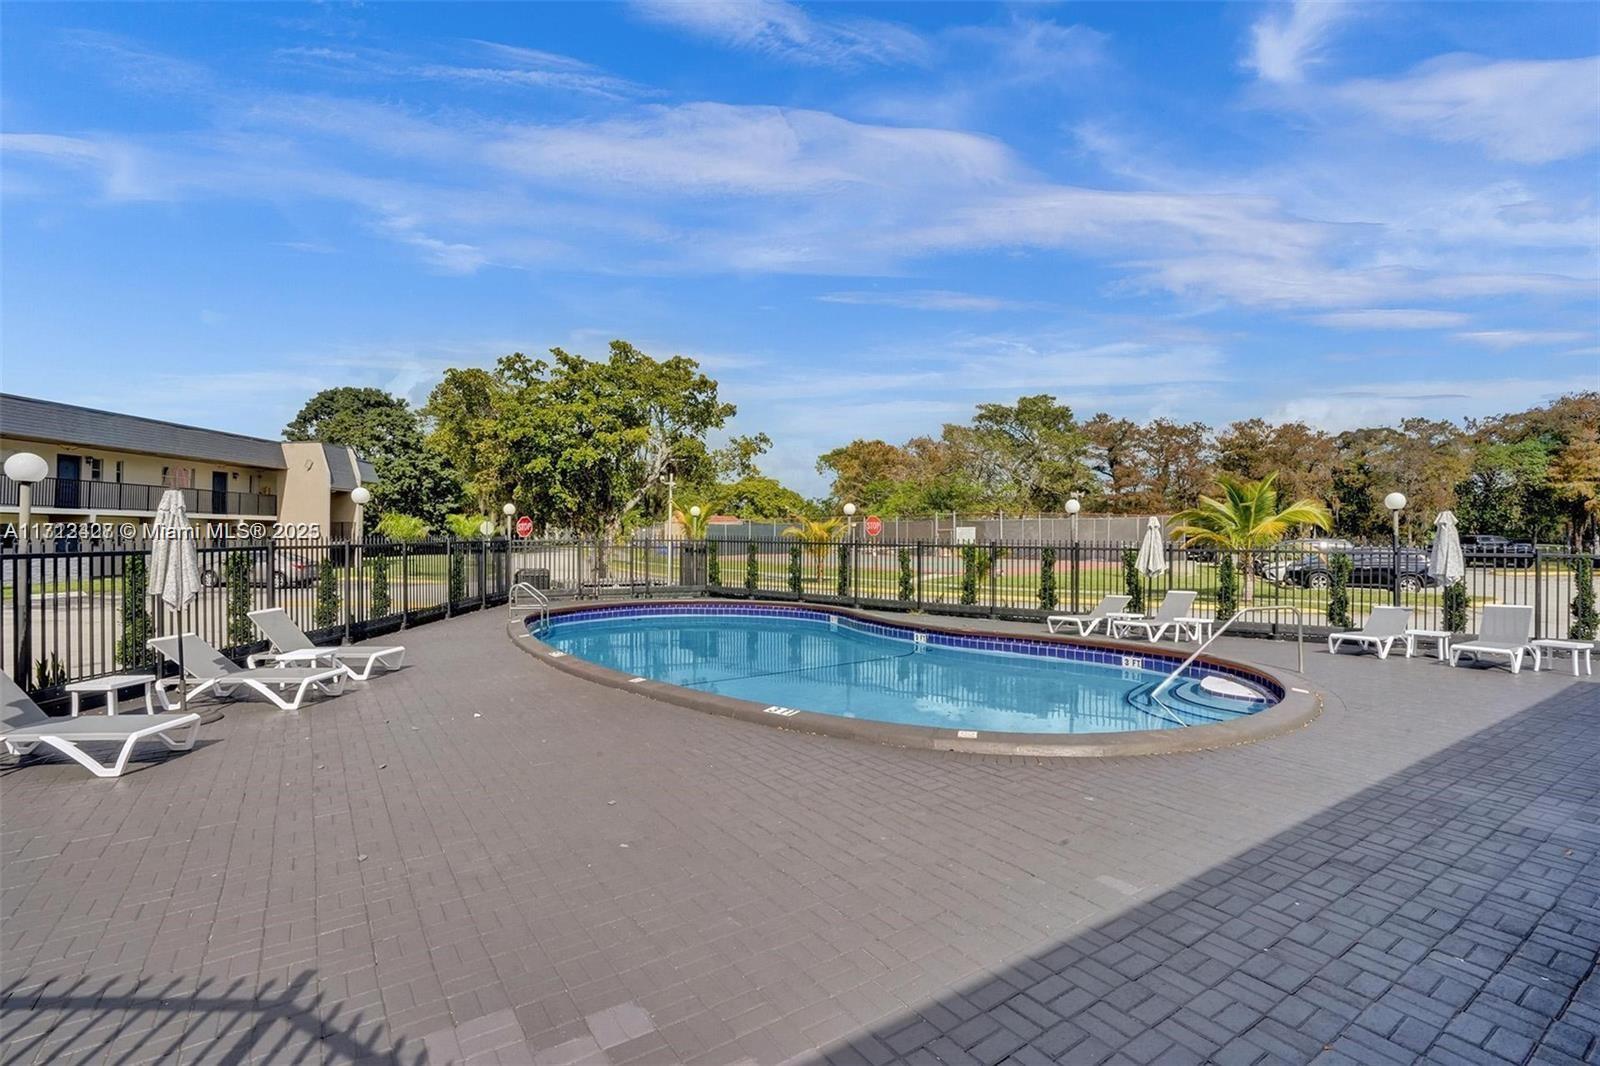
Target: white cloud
point(1525, 111)
point(1389, 403)
point(786, 31)
point(1523, 338)
point(928, 300)
point(1288, 38)
point(1392, 318)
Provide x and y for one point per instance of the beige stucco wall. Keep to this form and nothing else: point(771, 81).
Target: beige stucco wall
point(305, 496)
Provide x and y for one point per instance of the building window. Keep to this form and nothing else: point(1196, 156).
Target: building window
point(92, 468)
point(119, 471)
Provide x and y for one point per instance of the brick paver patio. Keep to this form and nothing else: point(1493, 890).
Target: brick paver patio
point(480, 859)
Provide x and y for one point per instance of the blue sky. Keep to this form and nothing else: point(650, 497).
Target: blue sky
point(863, 219)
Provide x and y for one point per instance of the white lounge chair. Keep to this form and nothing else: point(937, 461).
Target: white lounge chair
point(1507, 631)
point(1088, 623)
point(23, 727)
point(1172, 614)
point(1384, 626)
point(216, 672)
point(294, 647)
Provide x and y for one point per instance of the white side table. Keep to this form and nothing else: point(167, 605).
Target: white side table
point(1440, 637)
point(108, 686)
point(1579, 651)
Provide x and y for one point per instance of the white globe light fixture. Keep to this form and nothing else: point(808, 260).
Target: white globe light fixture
point(360, 497)
point(509, 509)
point(694, 512)
point(25, 468)
point(1396, 502)
point(849, 509)
point(1073, 506)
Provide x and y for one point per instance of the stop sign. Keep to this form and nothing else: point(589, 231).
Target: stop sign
point(874, 525)
point(524, 526)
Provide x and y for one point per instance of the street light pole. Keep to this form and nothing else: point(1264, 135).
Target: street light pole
point(1073, 507)
point(1396, 502)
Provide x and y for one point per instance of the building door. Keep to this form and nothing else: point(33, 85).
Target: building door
point(219, 492)
point(68, 470)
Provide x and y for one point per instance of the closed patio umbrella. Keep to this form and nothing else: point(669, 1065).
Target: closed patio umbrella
point(1152, 560)
point(1445, 562)
point(1152, 550)
point(175, 570)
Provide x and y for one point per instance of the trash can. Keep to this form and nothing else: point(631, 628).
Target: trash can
point(539, 579)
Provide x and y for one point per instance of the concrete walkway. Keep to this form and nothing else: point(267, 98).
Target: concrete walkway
point(480, 859)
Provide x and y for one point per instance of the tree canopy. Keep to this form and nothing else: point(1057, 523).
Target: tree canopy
point(383, 429)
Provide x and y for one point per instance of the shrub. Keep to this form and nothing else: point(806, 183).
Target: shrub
point(1047, 578)
point(970, 564)
point(844, 568)
point(49, 673)
point(380, 587)
point(136, 625)
point(1131, 584)
point(1339, 569)
point(1585, 621)
point(713, 565)
point(1227, 587)
point(795, 580)
point(907, 585)
point(458, 574)
point(402, 527)
point(241, 630)
point(752, 568)
point(1455, 606)
point(327, 612)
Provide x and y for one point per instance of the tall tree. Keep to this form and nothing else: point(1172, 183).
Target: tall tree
point(584, 443)
point(1302, 457)
point(383, 429)
point(1032, 453)
point(864, 471)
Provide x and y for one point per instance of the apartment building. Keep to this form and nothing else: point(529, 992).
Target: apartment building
point(110, 467)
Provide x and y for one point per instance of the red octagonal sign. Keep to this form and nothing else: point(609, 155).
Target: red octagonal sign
point(874, 525)
point(524, 526)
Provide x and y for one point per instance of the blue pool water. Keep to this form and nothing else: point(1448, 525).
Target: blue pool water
point(814, 661)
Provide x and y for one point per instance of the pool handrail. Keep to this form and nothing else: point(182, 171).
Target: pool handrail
point(1300, 640)
point(539, 600)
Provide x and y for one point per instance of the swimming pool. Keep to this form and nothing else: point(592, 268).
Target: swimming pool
point(790, 660)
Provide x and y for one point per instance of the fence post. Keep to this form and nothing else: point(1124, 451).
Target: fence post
point(994, 568)
point(22, 612)
point(483, 573)
point(405, 586)
point(349, 606)
point(1538, 594)
point(272, 583)
point(919, 575)
point(855, 573)
point(1075, 549)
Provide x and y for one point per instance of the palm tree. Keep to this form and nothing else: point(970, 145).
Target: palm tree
point(1246, 518)
point(693, 525)
point(815, 534)
point(402, 527)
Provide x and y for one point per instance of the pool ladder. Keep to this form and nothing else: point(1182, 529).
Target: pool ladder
point(524, 597)
point(1300, 640)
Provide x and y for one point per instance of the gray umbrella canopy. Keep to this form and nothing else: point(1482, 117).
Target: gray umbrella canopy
point(174, 567)
point(1445, 562)
point(1152, 550)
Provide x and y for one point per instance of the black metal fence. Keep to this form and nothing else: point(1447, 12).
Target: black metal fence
point(1033, 580)
point(70, 616)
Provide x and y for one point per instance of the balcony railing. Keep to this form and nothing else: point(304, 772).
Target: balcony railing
point(64, 495)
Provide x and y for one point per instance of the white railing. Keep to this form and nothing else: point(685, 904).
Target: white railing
point(1300, 640)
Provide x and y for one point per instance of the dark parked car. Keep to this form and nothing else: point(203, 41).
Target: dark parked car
point(288, 569)
point(1372, 568)
point(1481, 549)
